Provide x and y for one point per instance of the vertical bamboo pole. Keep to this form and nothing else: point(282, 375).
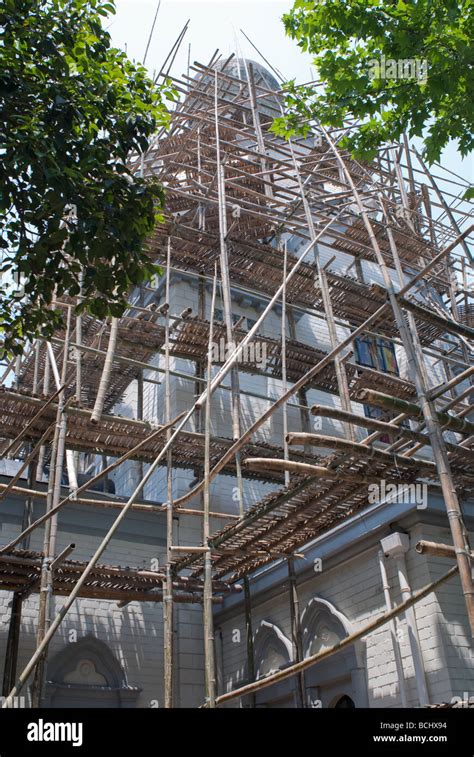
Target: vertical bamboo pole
point(36, 366)
point(168, 593)
point(14, 627)
point(257, 126)
point(339, 366)
point(301, 393)
point(50, 530)
point(411, 179)
point(296, 634)
point(235, 394)
point(46, 382)
point(209, 661)
point(77, 350)
point(106, 372)
point(283, 364)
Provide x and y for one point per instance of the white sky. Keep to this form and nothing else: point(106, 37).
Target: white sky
point(216, 24)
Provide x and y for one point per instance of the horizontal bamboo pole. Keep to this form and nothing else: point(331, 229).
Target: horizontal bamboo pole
point(136, 596)
point(385, 401)
point(292, 670)
point(356, 448)
point(392, 429)
point(111, 504)
point(276, 464)
point(318, 471)
point(435, 549)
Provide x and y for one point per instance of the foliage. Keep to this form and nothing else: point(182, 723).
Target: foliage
point(73, 110)
point(349, 38)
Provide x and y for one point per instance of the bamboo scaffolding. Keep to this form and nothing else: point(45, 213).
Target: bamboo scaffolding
point(411, 346)
point(235, 195)
point(304, 379)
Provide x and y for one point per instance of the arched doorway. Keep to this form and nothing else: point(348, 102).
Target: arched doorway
point(87, 674)
point(344, 703)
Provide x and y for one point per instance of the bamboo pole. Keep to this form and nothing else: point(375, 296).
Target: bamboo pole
point(435, 549)
point(106, 373)
point(392, 429)
point(168, 614)
point(318, 471)
point(107, 503)
point(283, 363)
point(438, 391)
point(451, 422)
point(50, 531)
point(77, 349)
point(296, 633)
point(209, 662)
point(235, 390)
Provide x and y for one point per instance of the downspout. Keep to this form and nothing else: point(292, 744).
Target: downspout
point(393, 631)
point(396, 545)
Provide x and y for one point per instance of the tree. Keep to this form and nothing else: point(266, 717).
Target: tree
point(397, 65)
point(73, 110)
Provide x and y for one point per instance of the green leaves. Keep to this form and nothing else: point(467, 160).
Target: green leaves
point(73, 109)
point(348, 37)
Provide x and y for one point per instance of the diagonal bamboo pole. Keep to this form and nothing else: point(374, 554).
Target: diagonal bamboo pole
point(292, 670)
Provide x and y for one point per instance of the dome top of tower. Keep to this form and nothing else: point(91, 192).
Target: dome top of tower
point(238, 68)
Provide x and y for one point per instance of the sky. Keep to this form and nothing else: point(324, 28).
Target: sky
point(217, 24)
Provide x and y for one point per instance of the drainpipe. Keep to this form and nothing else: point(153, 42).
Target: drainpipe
point(396, 545)
point(393, 631)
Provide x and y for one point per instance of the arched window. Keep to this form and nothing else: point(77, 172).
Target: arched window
point(322, 626)
point(340, 680)
point(272, 650)
point(87, 674)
